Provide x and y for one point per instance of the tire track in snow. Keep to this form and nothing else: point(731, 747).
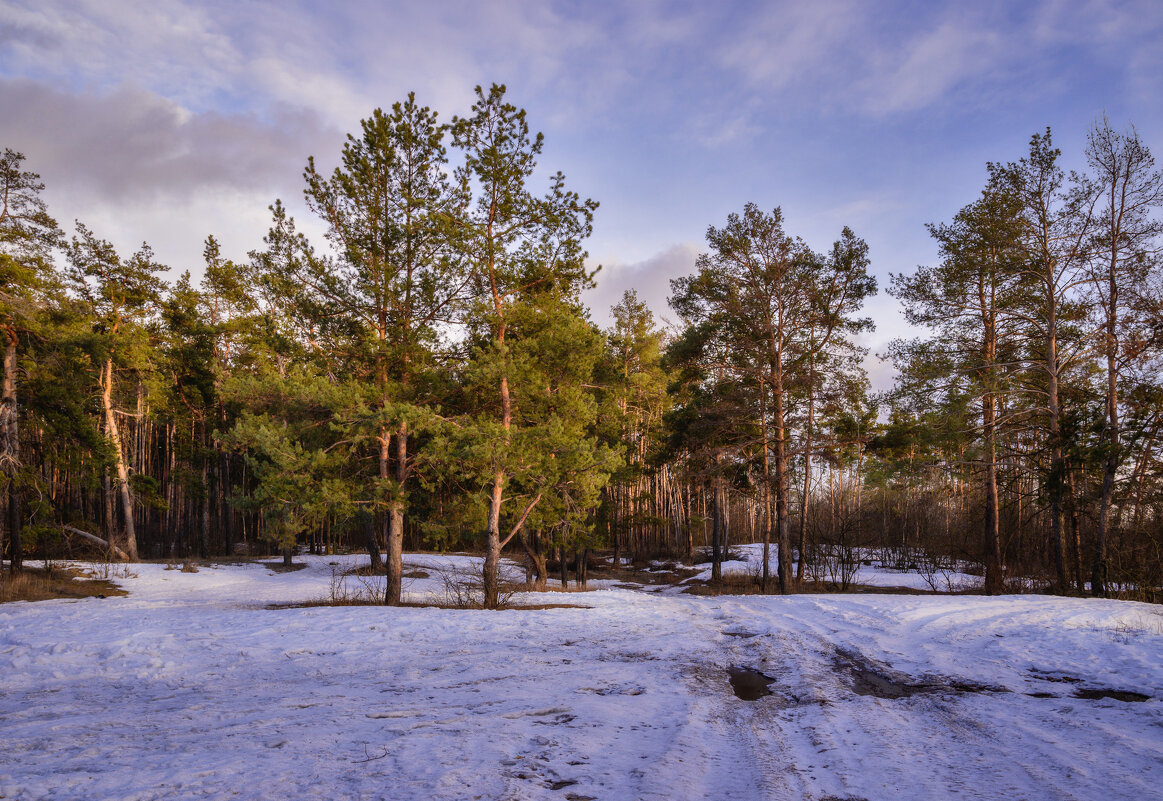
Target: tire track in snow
point(941, 743)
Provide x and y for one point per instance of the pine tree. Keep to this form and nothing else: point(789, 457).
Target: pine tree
point(118, 296)
point(834, 370)
point(387, 209)
point(228, 310)
point(1125, 244)
point(28, 236)
point(969, 301)
point(637, 385)
point(515, 243)
point(1056, 218)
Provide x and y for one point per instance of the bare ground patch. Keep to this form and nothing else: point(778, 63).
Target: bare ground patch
point(43, 584)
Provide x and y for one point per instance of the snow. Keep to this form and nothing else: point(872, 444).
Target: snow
point(192, 687)
point(870, 572)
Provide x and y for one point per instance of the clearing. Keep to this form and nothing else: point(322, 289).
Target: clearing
point(192, 686)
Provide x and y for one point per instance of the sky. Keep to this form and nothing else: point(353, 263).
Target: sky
point(169, 120)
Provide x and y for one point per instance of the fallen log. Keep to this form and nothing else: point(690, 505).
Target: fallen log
point(120, 554)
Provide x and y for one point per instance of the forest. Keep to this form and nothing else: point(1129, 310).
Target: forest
point(426, 376)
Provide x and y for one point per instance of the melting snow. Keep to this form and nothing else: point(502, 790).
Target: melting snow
point(191, 687)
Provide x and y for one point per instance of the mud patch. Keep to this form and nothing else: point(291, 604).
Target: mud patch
point(1058, 678)
point(1098, 693)
point(741, 633)
point(749, 684)
point(874, 680)
point(881, 681)
point(279, 567)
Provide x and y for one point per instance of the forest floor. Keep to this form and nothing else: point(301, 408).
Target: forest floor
point(42, 583)
point(211, 685)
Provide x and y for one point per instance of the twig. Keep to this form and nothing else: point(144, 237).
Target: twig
point(369, 757)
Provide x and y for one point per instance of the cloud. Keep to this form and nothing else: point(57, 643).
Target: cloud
point(173, 48)
point(876, 60)
point(138, 167)
point(667, 110)
point(794, 44)
point(132, 143)
point(340, 61)
point(650, 278)
point(932, 66)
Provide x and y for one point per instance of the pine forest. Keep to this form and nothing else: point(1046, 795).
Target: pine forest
point(426, 376)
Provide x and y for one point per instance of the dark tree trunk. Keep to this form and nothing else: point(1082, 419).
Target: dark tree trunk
point(716, 534)
point(15, 546)
point(11, 452)
point(582, 556)
point(395, 579)
point(535, 571)
point(373, 543)
point(994, 575)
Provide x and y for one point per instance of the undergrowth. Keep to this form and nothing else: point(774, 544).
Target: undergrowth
point(46, 583)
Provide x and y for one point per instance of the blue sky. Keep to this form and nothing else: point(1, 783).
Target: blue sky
point(168, 120)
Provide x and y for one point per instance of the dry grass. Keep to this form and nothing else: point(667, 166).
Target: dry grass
point(41, 584)
point(667, 573)
point(279, 567)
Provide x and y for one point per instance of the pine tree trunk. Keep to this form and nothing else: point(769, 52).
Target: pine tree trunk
point(564, 567)
point(1075, 538)
point(716, 531)
point(535, 556)
point(122, 482)
point(110, 509)
point(382, 522)
point(493, 554)
point(765, 580)
point(204, 532)
point(10, 452)
point(372, 539)
point(1056, 483)
point(808, 432)
point(1098, 572)
point(615, 521)
point(690, 530)
point(781, 517)
point(396, 523)
point(994, 574)
point(224, 492)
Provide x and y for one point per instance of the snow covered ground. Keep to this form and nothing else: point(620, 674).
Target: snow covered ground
point(870, 571)
point(190, 687)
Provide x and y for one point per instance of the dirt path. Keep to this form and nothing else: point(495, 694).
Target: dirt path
point(841, 723)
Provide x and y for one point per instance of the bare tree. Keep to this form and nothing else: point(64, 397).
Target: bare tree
point(1125, 245)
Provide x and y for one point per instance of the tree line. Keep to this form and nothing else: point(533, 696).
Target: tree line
point(427, 376)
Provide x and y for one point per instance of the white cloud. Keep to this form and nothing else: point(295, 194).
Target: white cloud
point(931, 66)
point(131, 142)
point(795, 44)
point(650, 278)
